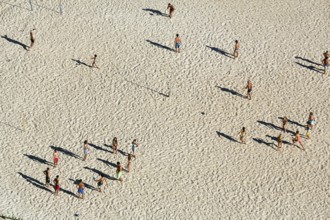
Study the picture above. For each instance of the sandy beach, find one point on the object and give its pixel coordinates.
(185, 109)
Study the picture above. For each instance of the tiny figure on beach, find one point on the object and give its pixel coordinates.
(242, 136)
(81, 189)
(94, 62)
(135, 145)
(311, 122)
(57, 187)
(326, 64)
(86, 150)
(32, 38)
(47, 174)
(129, 162)
(297, 138)
(326, 54)
(308, 132)
(236, 49)
(119, 172)
(280, 143)
(171, 9)
(177, 43)
(100, 182)
(115, 145)
(56, 158)
(284, 123)
(249, 89)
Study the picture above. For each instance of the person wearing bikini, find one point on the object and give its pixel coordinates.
(236, 49)
(297, 138)
(119, 172)
(86, 150)
(56, 158)
(284, 123)
(57, 187)
(115, 145)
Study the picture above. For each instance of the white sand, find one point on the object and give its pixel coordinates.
(185, 170)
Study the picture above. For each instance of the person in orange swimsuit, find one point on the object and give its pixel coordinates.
(297, 138)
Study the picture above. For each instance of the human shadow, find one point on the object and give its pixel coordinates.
(222, 52)
(25, 47)
(307, 60)
(270, 125)
(99, 148)
(152, 90)
(35, 182)
(67, 152)
(275, 139)
(313, 68)
(88, 186)
(100, 173)
(233, 92)
(220, 134)
(160, 45)
(294, 122)
(38, 159)
(154, 12)
(261, 141)
(78, 63)
(108, 162)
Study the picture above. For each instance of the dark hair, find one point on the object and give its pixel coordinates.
(129, 156)
(236, 41)
(57, 176)
(95, 55)
(177, 35)
(243, 128)
(118, 163)
(102, 175)
(85, 142)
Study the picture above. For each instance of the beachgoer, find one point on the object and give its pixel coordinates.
(57, 185)
(249, 89)
(86, 150)
(94, 62)
(236, 49)
(56, 158)
(129, 162)
(242, 136)
(100, 182)
(326, 64)
(284, 123)
(171, 9)
(32, 38)
(47, 174)
(119, 172)
(81, 189)
(297, 138)
(326, 54)
(135, 145)
(311, 122)
(280, 143)
(115, 145)
(177, 43)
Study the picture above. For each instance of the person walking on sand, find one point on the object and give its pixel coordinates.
(47, 174)
(249, 89)
(280, 143)
(57, 187)
(326, 64)
(242, 136)
(236, 49)
(311, 122)
(177, 43)
(171, 9)
(284, 123)
(135, 145)
(297, 138)
(119, 172)
(81, 189)
(115, 145)
(32, 38)
(100, 182)
(86, 150)
(56, 158)
(94, 62)
(129, 162)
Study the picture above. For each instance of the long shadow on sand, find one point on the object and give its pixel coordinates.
(275, 139)
(66, 152)
(233, 92)
(310, 67)
(272, 126)
(294, 123)
(38, 159)
(147, 88)
(154, 12)
(222, 52)
(108, 163)
(99, 148)
(261, 141)
(160, 45)
(220, 134)
(307, 60)
(35, 182)
(100, 173)
(88, 186)
(15, 42)
(78, 63)
(120, 151)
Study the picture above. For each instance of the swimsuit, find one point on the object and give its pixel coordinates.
(177, 45)
(249, 90)
(119, 175)
(134, 148)
(81, 191)
(57, 187)
(86, 151)
(47, 179)
(55, 159)
(99, 184)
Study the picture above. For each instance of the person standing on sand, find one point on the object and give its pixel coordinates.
(311, 122)
(81, 189)
(326, 64)
(129, 161)
(249, 89)
(284, 123)
(86, 150)
(115, 145)
(47, 174)
(280, 143)
(57, 185)
(171, 9)
(236, 49)
(94, 62)
(32, 38)
(177, 43)
(100, 182)
(56, 158)
(326, 54)
(297, 138)
(242, 136)
(119, 171)
(135, 145)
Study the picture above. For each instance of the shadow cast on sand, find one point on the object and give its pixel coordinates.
(275, 139)
(272, 126)
(35, 182)
(25, 47)
(154, 12)
(261, 141)
(220, 134)
(100, 173)
(230, 91)
(38, 159)
(313, 68)
(307, 60)
(120, 151)
(99, 148)
(147, 88)
(160, 45)
(108, 163)
(78, 63)
(88, 186)
(66, 152)
(294, 123)
(222, 52)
